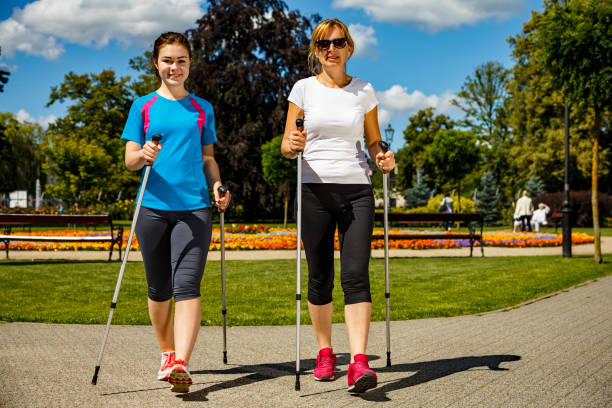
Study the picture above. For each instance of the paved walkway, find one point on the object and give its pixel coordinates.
(552, 352)
(587, 249)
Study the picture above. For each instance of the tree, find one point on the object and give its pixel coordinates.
(420, 192)
(279, 171)
(454, 154)
(148, 80)
(483, 100)
(574, 43)
(247, 54)
(487, 198)
(85, 152)
(534, 185)
(419, 135)
(21, 155)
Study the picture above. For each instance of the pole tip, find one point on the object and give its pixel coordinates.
(94, 380)
(225, 357)
(297, 381)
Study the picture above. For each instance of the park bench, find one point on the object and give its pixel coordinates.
(473, 221)
(556, 218)
(115, 235)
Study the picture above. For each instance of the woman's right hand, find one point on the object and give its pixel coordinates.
(150, 151)
(297, 141)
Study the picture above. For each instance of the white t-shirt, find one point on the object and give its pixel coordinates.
(334, 124)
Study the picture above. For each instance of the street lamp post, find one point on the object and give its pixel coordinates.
(567, 211)
(389, 131)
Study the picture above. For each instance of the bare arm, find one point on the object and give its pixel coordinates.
(293, 139)
(384, 161)
(135, 156)
(213, 176)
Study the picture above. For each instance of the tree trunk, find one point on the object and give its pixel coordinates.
(594, 187)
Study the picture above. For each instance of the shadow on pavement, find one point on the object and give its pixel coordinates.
(423, 372)
(433, 370)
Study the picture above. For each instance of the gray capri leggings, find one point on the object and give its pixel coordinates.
(351, 207)
(174, 247)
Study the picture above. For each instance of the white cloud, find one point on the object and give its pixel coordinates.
(435, 15)
(37, 28)
(44, 121)
(396, 100)
(365, 40)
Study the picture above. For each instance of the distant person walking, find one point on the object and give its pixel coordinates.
(446, 206)
(524, 211)
(175, 223)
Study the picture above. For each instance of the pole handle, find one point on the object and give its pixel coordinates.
(222, 190)
(384, 146)
(156, 139)
(300, 124)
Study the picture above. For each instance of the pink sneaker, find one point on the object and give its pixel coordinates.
(326, 361)
(360, 377)
(167, 360)
(180, 378)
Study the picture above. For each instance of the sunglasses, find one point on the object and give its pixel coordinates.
(338, 43)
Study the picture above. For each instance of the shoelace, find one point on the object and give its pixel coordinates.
(360, 367)
(326, 361)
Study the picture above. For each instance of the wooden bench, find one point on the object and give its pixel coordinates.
(473, 221)
(556, 218)
(115, 236)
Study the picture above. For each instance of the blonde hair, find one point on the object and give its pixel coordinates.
(320, 31)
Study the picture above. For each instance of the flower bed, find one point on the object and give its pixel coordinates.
(279, 238)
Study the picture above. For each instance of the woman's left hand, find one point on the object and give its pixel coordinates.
(222, 201)
(385, 161)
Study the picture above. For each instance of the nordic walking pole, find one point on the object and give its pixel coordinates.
(222, 190)
(385, 147)
(298, 292)
(126, 253)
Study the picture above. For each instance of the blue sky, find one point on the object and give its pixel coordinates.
(416, 53)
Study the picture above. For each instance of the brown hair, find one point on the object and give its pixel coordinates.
(166, 39)
(320, 31)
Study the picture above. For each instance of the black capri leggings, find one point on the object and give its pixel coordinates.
(174, 247)
(351, 207)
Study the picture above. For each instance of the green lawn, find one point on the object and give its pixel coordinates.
(263, 292)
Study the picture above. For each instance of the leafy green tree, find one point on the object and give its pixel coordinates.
(85, 152)
(247, 54)
(574, 43)
(455, 154)
(279, 171)
(419, 135)
(534, 185)
(148, 80)
(21, 155)
(483, 99)
(487, 197)
(420, 192)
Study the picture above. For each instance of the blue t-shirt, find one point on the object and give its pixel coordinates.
(176, 181)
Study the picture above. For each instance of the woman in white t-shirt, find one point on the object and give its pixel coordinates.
(337, 110)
